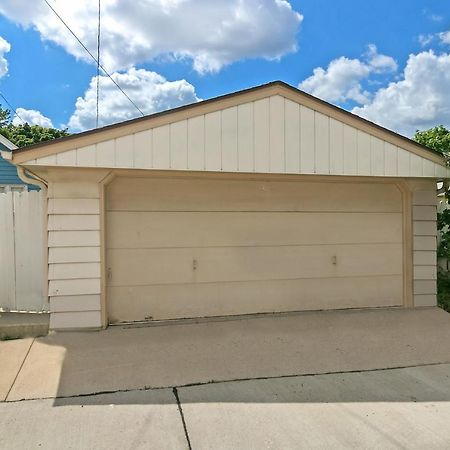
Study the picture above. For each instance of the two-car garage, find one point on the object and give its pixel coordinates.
(194, 247)
(265, 200)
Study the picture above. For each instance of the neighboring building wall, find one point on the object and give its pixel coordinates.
(424, 244)
(74, 254)
(8, 176)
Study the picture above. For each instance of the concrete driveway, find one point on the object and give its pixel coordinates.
(370, 379)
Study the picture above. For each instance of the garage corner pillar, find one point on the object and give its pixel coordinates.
(424, 211)
(74, 254)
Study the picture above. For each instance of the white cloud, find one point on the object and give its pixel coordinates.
(436, 18)
(210, 33)
(341, 81)
(5, 47)
(445, 37)
(149, 90)
(32, 117)
(425, 39)
(420, 100)
(380, 63)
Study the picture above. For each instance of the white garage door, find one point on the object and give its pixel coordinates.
(185, 247)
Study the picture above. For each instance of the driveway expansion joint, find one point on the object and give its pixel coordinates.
(206, 383)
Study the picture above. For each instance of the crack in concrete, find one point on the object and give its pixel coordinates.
(180, 409)
(206, 383)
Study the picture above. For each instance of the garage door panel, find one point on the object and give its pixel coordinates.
(212, 229)
(195, 247)
(221, 299)
(203, 265)
(165, 194)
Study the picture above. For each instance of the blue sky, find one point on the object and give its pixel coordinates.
(45, 74)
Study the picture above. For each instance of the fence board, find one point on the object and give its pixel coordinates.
(21, 251)
(7, 271)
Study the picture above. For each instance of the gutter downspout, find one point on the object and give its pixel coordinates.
(28, 180)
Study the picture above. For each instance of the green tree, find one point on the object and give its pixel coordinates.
(438, 138)
(5, 117)
(26, 134)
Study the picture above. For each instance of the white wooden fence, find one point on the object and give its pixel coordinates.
(21, 251)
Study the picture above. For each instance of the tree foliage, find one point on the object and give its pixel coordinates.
(26, 134)
(438, 138)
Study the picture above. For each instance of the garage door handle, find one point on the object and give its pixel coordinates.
(194, 264)
(109, 273)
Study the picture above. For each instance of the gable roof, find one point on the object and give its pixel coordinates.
(218, 103)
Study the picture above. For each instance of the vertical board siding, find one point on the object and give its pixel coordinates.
(376, 156)
(161, 147)
(276, 135)
(67, 158)
(213, 141)
(336, 147)
(142, 149)
(178, 145)
(390, 159)
(363, 153)
(124, 151)
(261, 133)
(322, 143)
(196, 143)
(21, 251)
(86, 156)
(229, 139)
(271, 135)
(292, 136)
(245, 138)
(307, 138)
(106, 154)
(74, 245)
(424, 245)
(350, 150)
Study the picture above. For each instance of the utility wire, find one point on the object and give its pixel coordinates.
(93, 57)
(12, 107)
(98, 63)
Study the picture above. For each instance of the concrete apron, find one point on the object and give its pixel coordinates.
(117, 359)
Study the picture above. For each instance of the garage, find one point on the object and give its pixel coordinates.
(267, 200)
(184, 248)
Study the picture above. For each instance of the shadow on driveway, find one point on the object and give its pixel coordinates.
(120, 359)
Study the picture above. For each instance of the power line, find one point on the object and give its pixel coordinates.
(98, 63)
(12, 107)
(93, 57)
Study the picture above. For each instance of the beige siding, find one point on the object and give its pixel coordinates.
(197, 247)
(74, 251)
(75, 320)
(424, 244)
(271, 135)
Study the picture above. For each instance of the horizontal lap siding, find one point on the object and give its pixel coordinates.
(74, 255)
(271, 135)
(424, 245)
